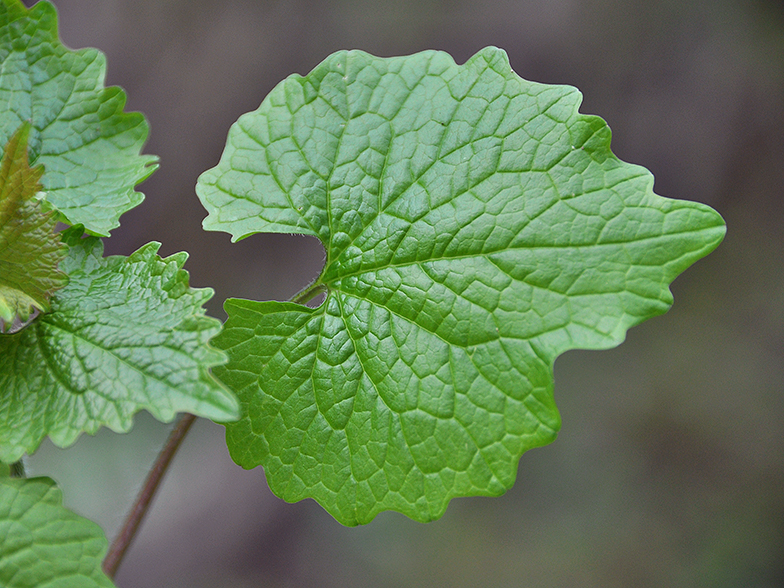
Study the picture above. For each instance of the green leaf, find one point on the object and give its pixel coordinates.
(476, 226)
(126, 334)
(88, 145)
(29, 248)
(43, 544)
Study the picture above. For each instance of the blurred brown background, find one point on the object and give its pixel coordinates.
(669, 469)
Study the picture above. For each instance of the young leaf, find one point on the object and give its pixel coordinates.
(29, 248)
(44, 544)
(126, 334)
(89, 146)
(476, 226)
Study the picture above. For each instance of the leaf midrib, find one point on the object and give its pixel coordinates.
(365, 270)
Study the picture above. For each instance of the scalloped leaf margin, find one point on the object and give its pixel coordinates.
(476, 226)
(126, 334)
(88, 145)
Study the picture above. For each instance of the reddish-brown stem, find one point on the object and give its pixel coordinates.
(124, 538)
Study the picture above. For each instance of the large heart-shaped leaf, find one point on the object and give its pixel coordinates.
(43, 544)
(476, 226)
(88, 145)
(125, 334)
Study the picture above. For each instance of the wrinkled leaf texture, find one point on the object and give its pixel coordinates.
(125, 334)
(88, 145)
(476, 226)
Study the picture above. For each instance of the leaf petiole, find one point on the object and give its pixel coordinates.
(309, 293)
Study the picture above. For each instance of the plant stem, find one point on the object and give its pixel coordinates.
(309, 293)
(139, 509)
(141, 505)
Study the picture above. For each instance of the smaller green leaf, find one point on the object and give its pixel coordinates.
(126, 334)
(80, 133)
(43, 544)
(29, 248)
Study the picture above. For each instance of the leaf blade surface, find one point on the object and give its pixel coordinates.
(476, 226)
(88, 145)
(126, 334)
(44, 544)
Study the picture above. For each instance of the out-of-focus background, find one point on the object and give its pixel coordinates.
(669, 469)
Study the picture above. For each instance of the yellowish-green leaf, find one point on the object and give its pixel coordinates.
(30, 250)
